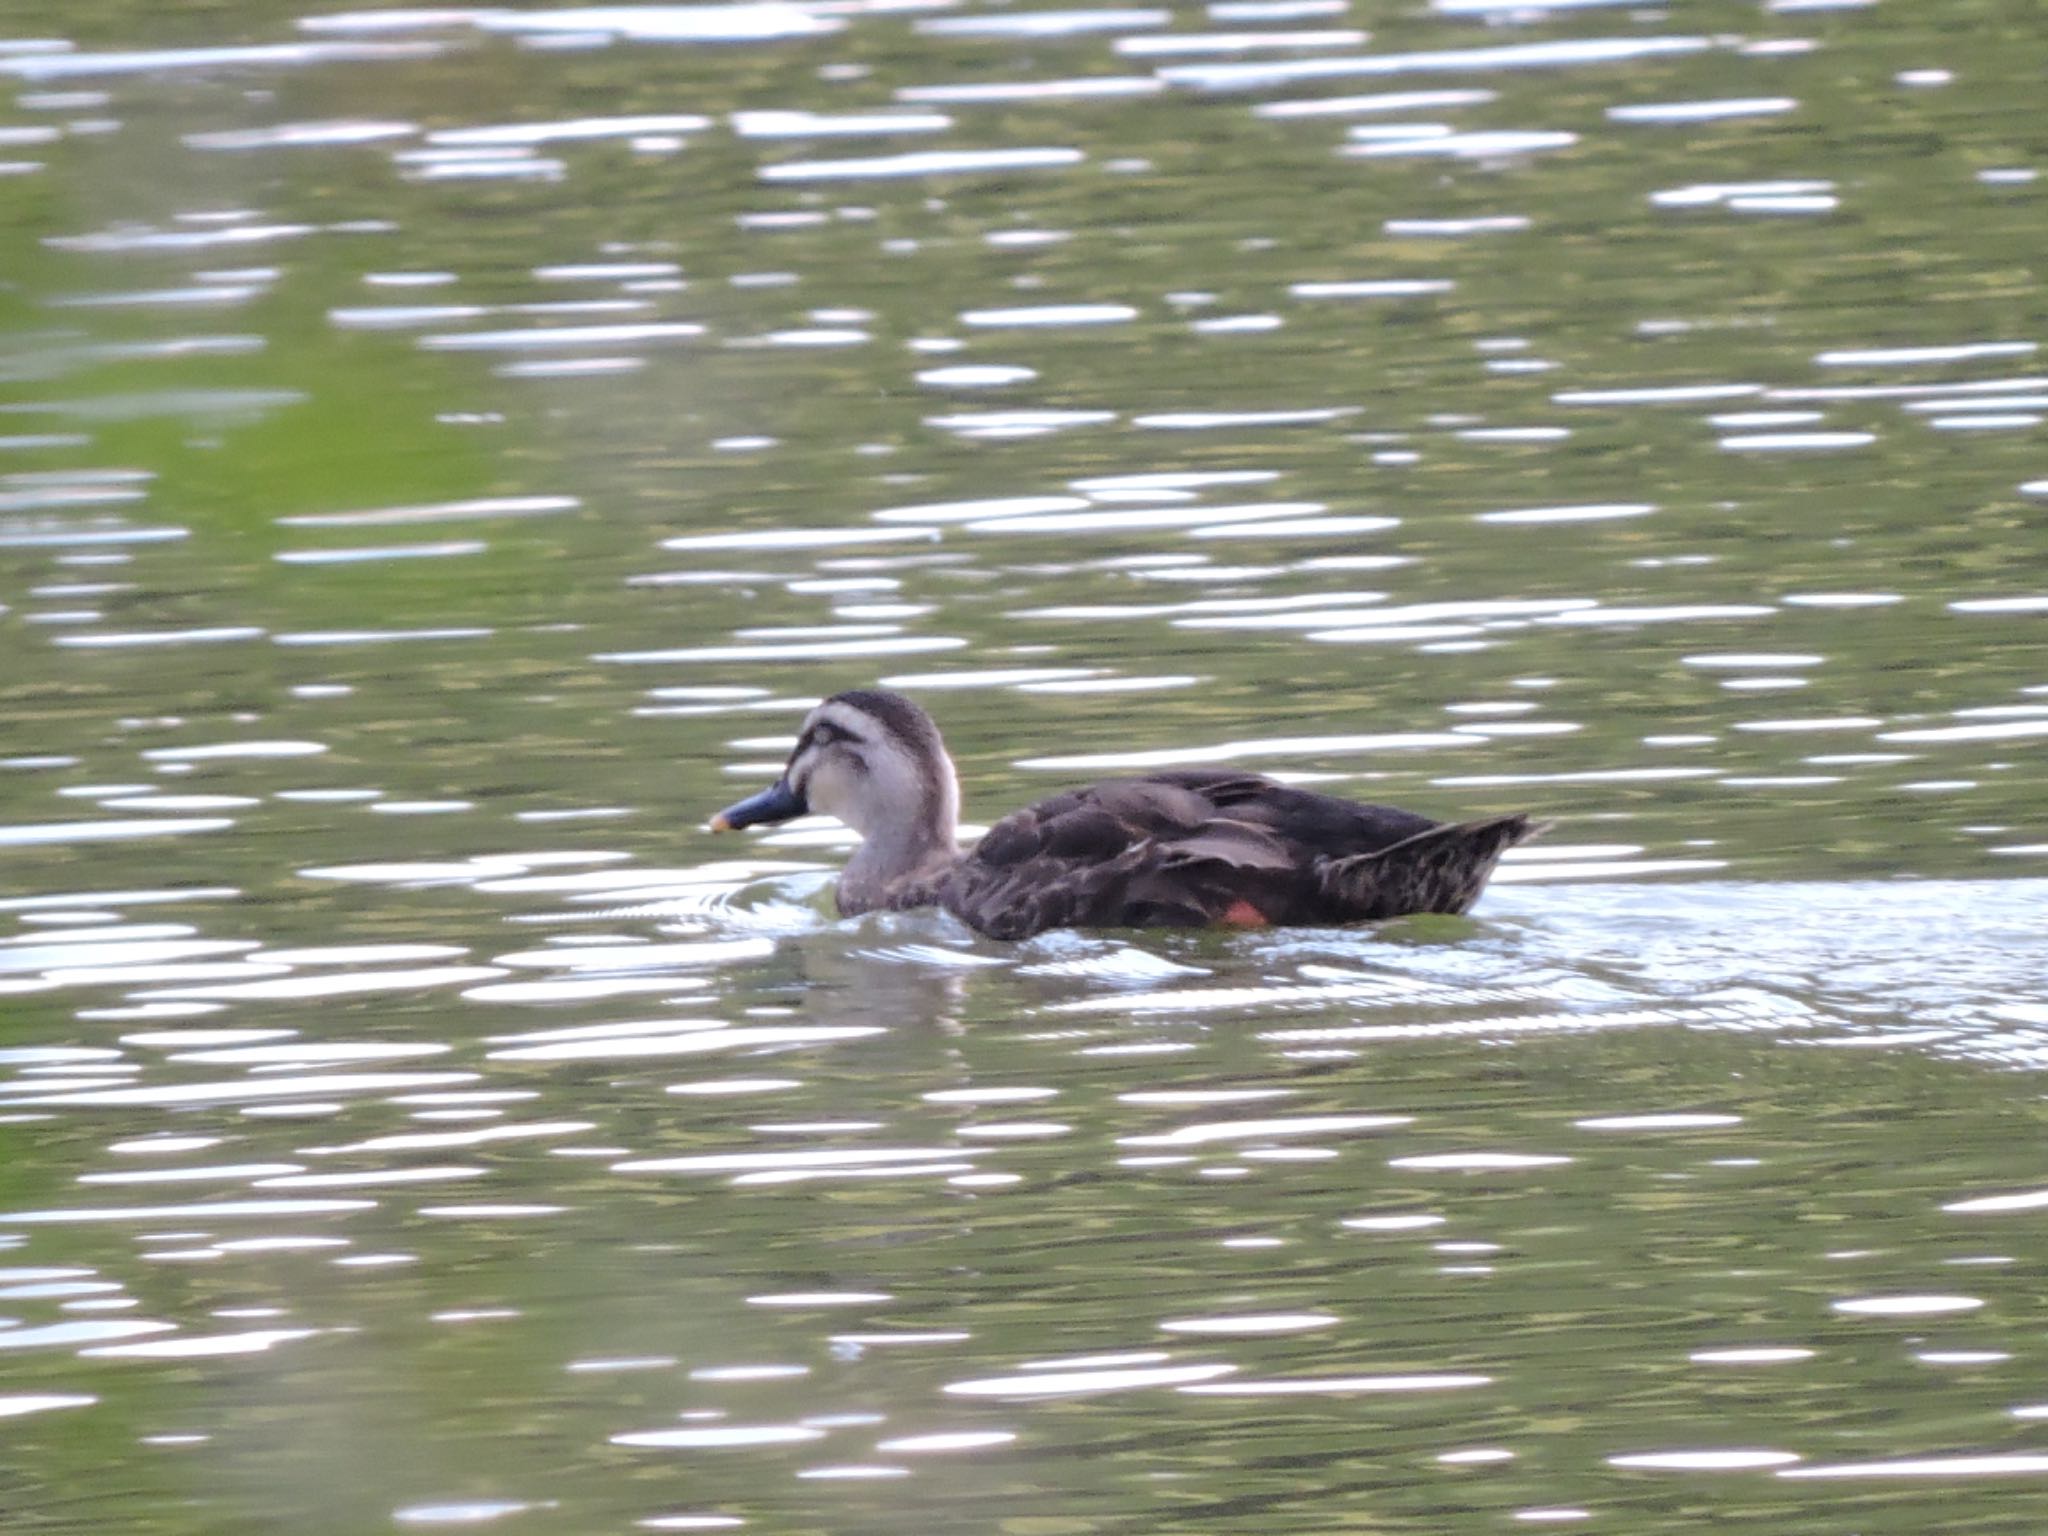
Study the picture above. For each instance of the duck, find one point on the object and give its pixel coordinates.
(1183, 848)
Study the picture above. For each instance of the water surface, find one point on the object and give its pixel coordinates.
(445, 452)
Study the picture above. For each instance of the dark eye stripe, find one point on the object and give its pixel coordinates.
(824, 734)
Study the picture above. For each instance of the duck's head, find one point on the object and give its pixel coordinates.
(872, 759)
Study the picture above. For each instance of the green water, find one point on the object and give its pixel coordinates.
(410, 532)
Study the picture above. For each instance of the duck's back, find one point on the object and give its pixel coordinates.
(1195, 847)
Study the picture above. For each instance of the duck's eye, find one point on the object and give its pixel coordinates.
(825, 734)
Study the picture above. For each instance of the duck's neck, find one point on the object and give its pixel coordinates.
(909, 823)
(897, 866)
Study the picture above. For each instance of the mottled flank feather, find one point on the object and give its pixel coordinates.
(1440, 870)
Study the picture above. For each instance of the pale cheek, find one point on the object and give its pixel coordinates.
(825, 793)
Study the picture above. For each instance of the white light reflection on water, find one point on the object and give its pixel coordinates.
(1231, 751)
(15, 1405)
(1410, 1222)
(2029, 1200)
(66, 65)
(467, 1512)
(1498, 144)
(256, 1342)
(689, 1042)
(1259, 1130)
(1251, 1324)
(811, 1299)
(931, 162)
(1339, 1385)
(1169, 44)
(562, 336)
(109, 830)
(1755, 1354)
(213, 1210)
(1050, 315)
(751, 1162)
(1510, 56)
(723, 1437)
(943, 1442)
(1703, 1461)
(2010, 1464)
(748, 21)
(1086, 1383)
(526, 134)
(1046, 23)
(77, 1333)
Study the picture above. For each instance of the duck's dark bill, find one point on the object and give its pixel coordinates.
(778, 802)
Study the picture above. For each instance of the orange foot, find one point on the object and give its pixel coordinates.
(1242, 914)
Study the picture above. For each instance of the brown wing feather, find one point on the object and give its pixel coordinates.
(1192, 847)
(1144, 852)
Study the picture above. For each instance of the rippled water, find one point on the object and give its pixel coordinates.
(444, 452)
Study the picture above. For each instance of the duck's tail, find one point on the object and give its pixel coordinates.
(1440, 870)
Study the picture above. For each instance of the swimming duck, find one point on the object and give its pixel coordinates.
(1190, 847)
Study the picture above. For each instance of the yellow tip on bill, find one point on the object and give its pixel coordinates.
(720, 824)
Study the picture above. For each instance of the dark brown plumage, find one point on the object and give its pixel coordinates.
(1186, 848)
(1197, 847)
